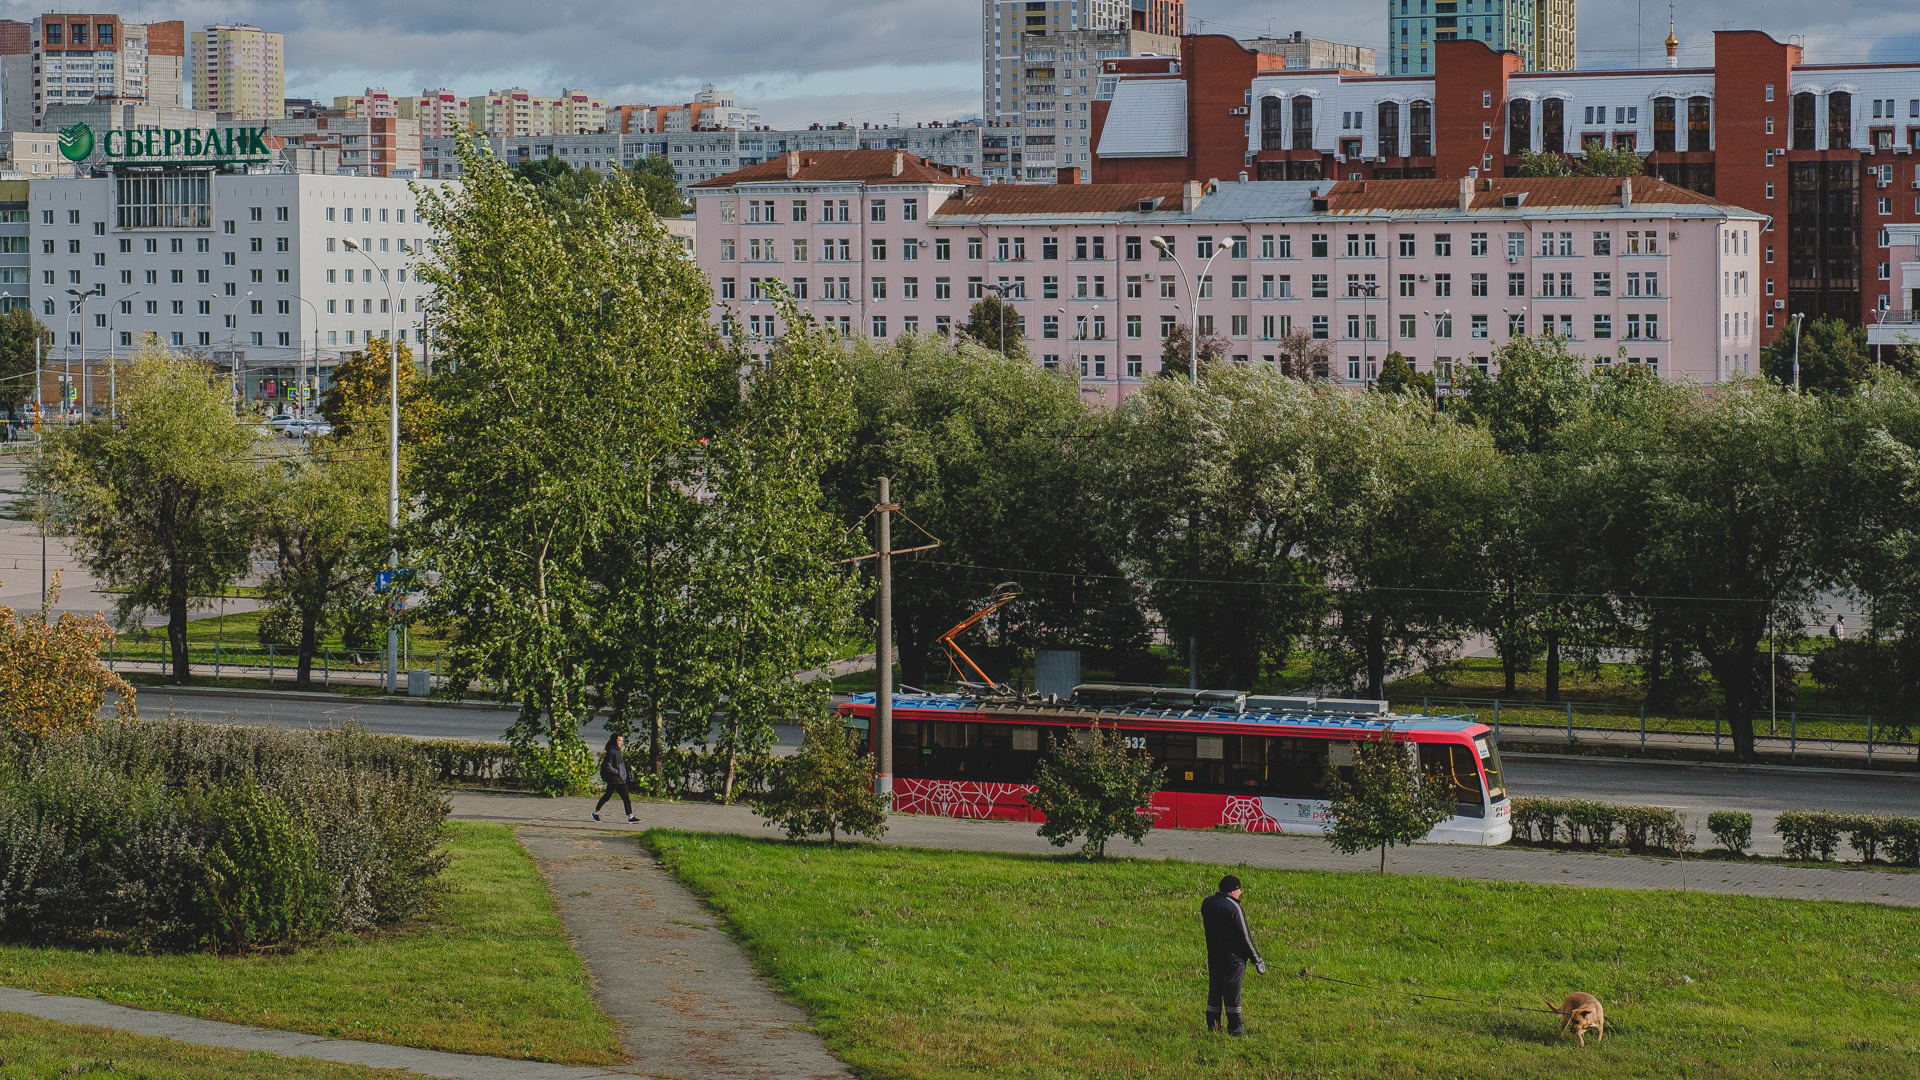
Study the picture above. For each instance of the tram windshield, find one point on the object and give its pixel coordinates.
(1489, 753)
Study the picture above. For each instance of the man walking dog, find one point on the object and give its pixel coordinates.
(1229, 947)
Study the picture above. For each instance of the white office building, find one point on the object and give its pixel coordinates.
(270, 272)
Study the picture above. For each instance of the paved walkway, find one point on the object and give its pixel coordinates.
(71, 1010)
(1279, 852)
(687, 998)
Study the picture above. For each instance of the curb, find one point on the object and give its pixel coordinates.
(1728, 766)
(318, 696)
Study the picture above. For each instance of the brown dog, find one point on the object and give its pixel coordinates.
(1581, 1011)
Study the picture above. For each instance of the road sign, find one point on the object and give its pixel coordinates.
(396, 605)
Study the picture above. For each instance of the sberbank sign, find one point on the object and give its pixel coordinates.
(210, 146)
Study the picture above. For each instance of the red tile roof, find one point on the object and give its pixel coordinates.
(1349, 196)
(1060, 199)
(842, 166)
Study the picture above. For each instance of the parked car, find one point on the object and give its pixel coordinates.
(281, 421)
(316, 428)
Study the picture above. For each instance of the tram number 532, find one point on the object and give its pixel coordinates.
(1136, 742)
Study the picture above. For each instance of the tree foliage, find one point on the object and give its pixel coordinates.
(1399, 377)
(324, 535)
(1386, 801)
(1597, 160)
(561, 184)
(163, 506)
(51, 677)
(1833, 356)
(19, 359)
(359, 399)
(993, 457)
(1178, 355)
(824, 788)
(1091, 785)
(994, 324)
(1544, 163)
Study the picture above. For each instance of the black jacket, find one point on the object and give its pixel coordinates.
(613, 763)
(1227, 936)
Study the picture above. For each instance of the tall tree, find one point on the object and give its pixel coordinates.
(19, 359)
(1544, 163)
(1598, 160)
(994, 324)
(162, 506)
(765, 585)
(1216, 487)
(324, 533)
(994, 458)
(1738, 514)
(1406, 496)
(660, 187)
(1303, 356)
(557, 497)
(1535, 392)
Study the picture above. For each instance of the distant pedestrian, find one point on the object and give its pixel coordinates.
(613, 770)
(1839, 630)
(1229, 947)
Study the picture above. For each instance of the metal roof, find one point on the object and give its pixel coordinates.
(1069, 713)
(1148, 118)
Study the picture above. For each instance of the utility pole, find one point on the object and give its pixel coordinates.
(883, 649)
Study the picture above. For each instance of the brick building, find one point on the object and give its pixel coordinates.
(1825, 153)
(881, 244)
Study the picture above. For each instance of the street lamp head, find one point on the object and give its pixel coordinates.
(1159, 243)
(350, 245)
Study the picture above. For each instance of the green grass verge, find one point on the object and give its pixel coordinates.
(35, 1048)
(927, 964)
(238, 637)
(490, 973)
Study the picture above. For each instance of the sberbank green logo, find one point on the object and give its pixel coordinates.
(76, 142)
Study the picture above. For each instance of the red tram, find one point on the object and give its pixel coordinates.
(1232, 760)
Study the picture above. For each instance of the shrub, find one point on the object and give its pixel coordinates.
(1387, 801)
(456, 761)
(1595, 821)
(1090, 785)
(1535, 820)
(51, 677)
(279, 626)
(1731, 830)
(1809, 835)
(1655, 828)
(1865, 833)
(169, 834)
(1903, 841)
(568, 768)
(825, 788)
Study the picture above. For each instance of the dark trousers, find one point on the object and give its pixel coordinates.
(613, 786)
(1223, 994)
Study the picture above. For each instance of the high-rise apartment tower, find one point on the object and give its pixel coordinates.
(238, 69)
(1541, 31)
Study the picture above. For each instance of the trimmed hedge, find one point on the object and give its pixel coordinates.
(1593, 824)
(163, 835)
(1815, 836)
(1732, 830)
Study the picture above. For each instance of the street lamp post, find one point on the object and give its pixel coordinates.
(1193, 303)
(301, 392)
(1797, 317)
(393, 457)
(1443, 315)
(1000, 291)
(113, 356)
(233, 358)
(85, 394)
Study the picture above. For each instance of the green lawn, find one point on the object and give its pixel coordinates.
(32, 1049)
(491, 973)
(238, 637)
(924, 964)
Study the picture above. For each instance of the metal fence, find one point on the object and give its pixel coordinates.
(269, 662)
(1791, 733)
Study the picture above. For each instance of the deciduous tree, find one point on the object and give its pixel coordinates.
(324, 533)
(1833, 356)
(1177, 355)
(1386, 802)
(824, 788)
(1092, 785)
(359, 399)
(19, 331)
(163, 506)
(994, 324)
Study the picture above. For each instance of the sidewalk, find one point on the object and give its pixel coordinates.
(1263, 850)
(687, 998)
(71, 1010)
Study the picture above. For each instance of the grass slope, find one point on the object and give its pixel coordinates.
(490, 973)
(32, 1049)
(925, 964)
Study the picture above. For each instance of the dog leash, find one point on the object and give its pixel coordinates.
(1306, 973)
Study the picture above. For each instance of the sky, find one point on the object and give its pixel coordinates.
(869, 61)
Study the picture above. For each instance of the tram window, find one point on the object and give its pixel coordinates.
(906, 733)
(1463, 771)
(1210, 746)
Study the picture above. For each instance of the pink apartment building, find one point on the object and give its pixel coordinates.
(1443, 271)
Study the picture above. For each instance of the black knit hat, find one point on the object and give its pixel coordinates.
(1229, 883)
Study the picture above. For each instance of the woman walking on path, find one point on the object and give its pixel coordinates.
(613, 769)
